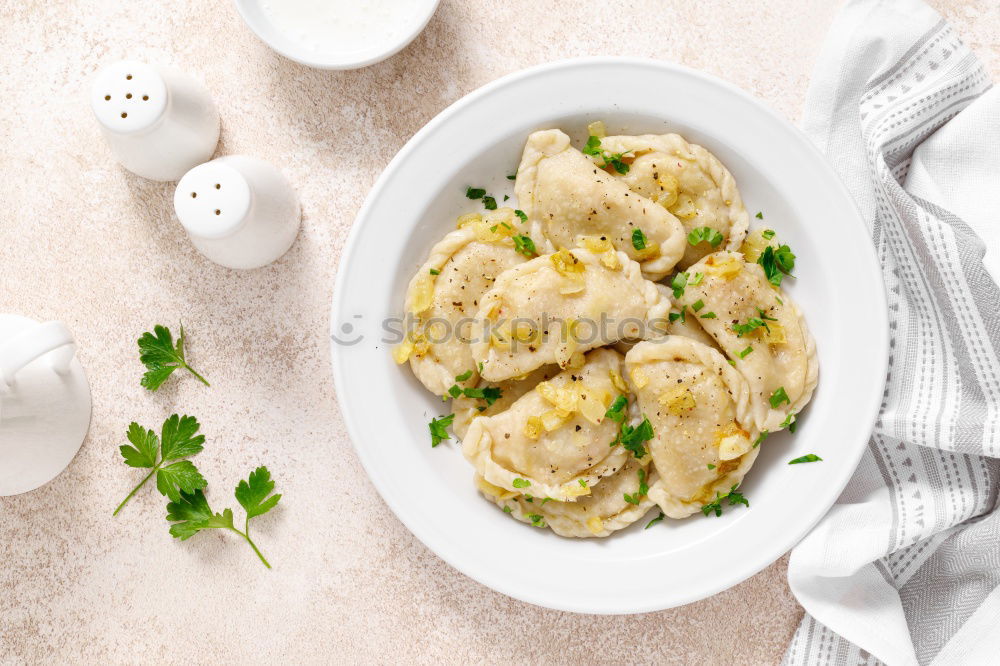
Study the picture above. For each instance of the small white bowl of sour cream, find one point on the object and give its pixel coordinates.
(337, 34)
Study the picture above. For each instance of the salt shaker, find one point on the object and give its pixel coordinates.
(158, 122)
(45, 403)
(239, 211)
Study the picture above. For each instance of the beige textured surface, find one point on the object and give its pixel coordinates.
(83, 241)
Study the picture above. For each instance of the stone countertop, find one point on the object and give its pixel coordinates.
(83, 241)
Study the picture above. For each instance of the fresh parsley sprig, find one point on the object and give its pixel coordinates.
(161, 357)
(777, 263)
(807, 458)
(178, 439)
(705, 235)
(614, 160)
(438, 428)
(190, 512)
(734, 498)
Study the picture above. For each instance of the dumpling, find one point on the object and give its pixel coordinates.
(554, 306)
(761, 330)
(465, 409)
(688, 181)
(565, 196)
(445, 292)
(704, 439)
(554, 441)
(603, 511)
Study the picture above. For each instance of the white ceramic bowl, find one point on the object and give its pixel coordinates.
(257, 19)
(477, 142)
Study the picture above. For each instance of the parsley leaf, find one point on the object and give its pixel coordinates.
(779, 396)
(789, 422)
(760, 438)
(777, 263)
(438, 429)
(639, 240)
(190, 513)
(658, 519)
(678, 283)
(490, 394)
(434, 271)
(708, 315)
(753, 323)
(178, 439)
(536, 520)
(525, 246)
(583, 483)
(635, 497)
(161, 357)
(705, 235)
(732, 496)
(521, 214)
(696, 279)
(698, 305)
(464, 376)
(489, 203)
(475, 192)
(743, 354)
(809, 457)
(674, 316)
(512, 176)
(759, 215)
(615, 160)
(633, 437)
(616, 412)
(520, 483)
(767, 234)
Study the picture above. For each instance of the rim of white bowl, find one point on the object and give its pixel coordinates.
(751, 563)
(271, 36)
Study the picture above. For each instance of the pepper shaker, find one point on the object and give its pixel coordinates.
(239, 211)
(158, 122)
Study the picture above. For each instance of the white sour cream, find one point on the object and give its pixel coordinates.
(334, 27)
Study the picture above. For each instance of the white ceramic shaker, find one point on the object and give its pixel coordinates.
(44, 403)
(240, 211)
(158, 122)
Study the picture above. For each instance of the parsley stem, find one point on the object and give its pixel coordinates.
(136, 489)
(195, 373)
(246, 536)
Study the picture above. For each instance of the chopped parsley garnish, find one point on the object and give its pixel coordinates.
(708, 315)
(525, 246)
(638, 239)
(435, 271)
(614, 160)
(759, 215)
(809, 457)
(438, 429)
(616, 412)
(475, 192)
(464, 376)
(455, 391)
(777, 263)
(779, 396)
(658, 519)
(489, 203)
(506, 196)
(583, 483)
(520, 483)
(734, 498)
(536, 520)
(767, 233)
(698, 305)
(711, 466)
(512, 176)
(696, 279)
(760, 438)
(743, 354)
(641, 492)
(705, 234)
(506, 509)
(480, 366)
(521, 214)
(678, 283)
(633, 437)
(490, 394)
(753, 323)
(674, 316)
(789, 423)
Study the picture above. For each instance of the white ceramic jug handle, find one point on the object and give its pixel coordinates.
(32, 344)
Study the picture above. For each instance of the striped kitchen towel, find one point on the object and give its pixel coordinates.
(905, 569)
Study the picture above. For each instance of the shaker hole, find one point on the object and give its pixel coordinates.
(218, 212)
(124, 115)
(128, 95)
